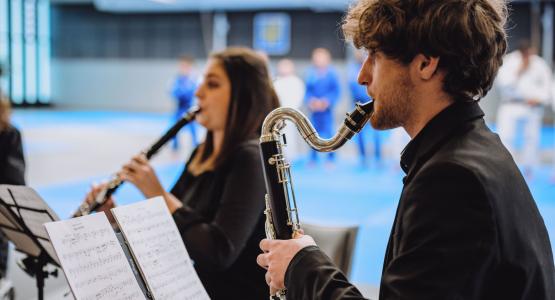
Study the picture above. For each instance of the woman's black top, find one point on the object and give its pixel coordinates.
(12, 163)
(222, 222)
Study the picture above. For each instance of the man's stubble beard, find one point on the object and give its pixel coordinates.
(394, 105)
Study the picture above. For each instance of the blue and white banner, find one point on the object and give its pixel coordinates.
(272, 33)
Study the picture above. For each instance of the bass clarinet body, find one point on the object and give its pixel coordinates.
(115, 182)
(282, 219)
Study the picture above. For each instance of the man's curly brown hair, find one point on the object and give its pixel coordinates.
(468, 36)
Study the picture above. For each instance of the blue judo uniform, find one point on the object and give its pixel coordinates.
(359, 94)
(183, 92)
(322, 84)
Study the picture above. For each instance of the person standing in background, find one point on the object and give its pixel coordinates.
(12, 164)
(358, 93)
(524, 82)
(322, 94)
(183, 91)
(290, 90)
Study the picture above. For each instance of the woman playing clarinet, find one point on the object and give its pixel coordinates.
(218, 201)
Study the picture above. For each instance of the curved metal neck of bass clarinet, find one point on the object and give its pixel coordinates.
(353, 123)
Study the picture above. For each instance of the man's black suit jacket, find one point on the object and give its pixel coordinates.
(466, 225)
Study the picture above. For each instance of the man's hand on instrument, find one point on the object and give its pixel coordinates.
(277, 256)
(139, 172)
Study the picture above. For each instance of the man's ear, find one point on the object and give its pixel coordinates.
(426, 66)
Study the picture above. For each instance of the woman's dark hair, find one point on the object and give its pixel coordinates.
(467, 35)
(252, 98)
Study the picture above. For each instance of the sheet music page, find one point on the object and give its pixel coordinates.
(159, 250)
(93, 261)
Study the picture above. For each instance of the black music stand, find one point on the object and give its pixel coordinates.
(22, 215)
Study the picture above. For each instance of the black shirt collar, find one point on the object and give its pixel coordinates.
(437, 130)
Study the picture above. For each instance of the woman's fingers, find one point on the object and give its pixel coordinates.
(140, 159)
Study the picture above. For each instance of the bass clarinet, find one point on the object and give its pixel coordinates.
(282, 218)
(115, 182)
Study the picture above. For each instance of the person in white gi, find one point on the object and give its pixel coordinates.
(524, 82)
(290, 90)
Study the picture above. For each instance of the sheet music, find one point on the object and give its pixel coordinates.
(93, 261)
(159, 250)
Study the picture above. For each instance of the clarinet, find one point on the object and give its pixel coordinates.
(282, 218)
(115, 182)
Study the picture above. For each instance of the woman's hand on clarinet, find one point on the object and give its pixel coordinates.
(90, 198)
(277, 256)
(139, 172)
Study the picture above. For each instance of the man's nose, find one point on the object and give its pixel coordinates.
(364, 78)
(365, 73)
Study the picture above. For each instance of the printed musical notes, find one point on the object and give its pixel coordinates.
(97, 268)
(159, 250)
(93, 260)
